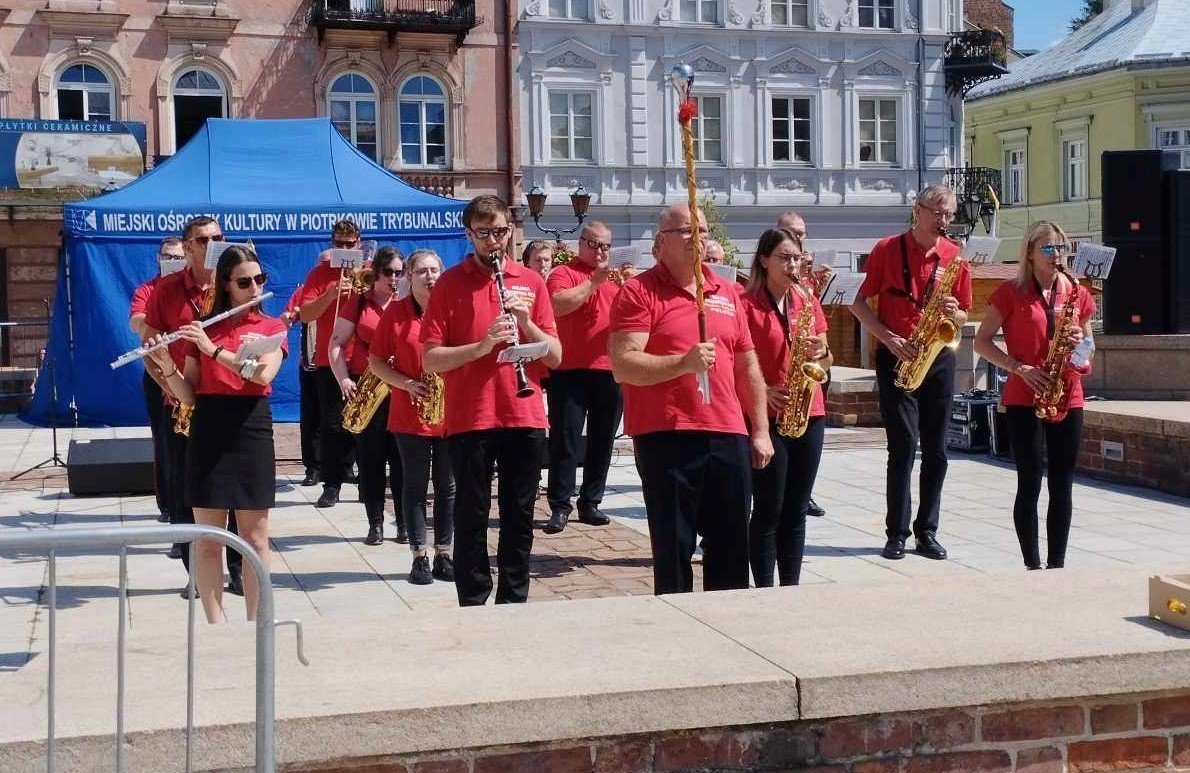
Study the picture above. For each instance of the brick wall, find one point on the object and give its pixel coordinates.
(853, 409)
(990, 13)
(1150, 459)
(1119, 733)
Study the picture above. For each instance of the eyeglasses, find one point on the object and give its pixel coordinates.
(790, 257)
(490, 233)
(597, 245)
(345, 244)
(170, 256)
(686, 232)
(941, 214)
(390, 271)
(245, 282)
(1050, 250)
(203, 240)
(426, 270)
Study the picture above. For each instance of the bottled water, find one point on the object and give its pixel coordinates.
(1081, 356)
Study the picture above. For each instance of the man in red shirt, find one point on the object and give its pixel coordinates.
(177, 300)
(322, 286)
(487, 425)
(901, 272)
(694, 458)
(582, 388)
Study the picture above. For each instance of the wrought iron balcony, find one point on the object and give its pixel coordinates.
(973, 57)
(455, 17)
(973, 181)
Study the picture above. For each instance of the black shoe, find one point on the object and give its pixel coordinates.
(928, 546)
(894, 549)
(177, 550)
(187, 594)
(329, 498)
(420, 573)
(375, 534)
(162, 517)
(402, 537)
(814, 510)
(593, 517)
(557, 522)
(235, 585)
(444, 568)
(312, 477)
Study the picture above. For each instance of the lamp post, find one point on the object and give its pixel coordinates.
(579, 201)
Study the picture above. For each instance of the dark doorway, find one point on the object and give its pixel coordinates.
(190, 113)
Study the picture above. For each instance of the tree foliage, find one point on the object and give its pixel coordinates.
(718, 230)
(1091, 9)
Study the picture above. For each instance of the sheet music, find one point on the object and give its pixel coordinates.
(723, 271)
(825, 257)
(1094, 261)
(524, 352)
(842, 290)
(632, 254)
(215, 251)
(172, 266)
(341, 258)
(981, 249)
(256, 347)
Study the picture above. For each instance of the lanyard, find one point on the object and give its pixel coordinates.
(1048, 306)
(908, 291)
(783, 317)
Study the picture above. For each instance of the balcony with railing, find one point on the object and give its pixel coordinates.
(973, 57)
(973, 181)
(455, 17)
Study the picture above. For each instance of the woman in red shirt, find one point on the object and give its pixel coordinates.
(1026, 308)
(230, 463)
(773, 302)
(396, 358)
(375, 451)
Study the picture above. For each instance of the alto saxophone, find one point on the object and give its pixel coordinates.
(934, 332)
(181, 415)
(431, 409)
(1053, 403)
(370, 392)
(803, 375)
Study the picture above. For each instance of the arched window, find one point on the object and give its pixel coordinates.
(84, 94)
(421, 108)
(198, 95)
(353, 111)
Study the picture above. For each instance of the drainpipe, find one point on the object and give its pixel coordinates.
(510, 115)
(921, 95)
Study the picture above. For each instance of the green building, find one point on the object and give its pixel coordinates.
(1121, 82)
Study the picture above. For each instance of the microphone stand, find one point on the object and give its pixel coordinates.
(48, 360)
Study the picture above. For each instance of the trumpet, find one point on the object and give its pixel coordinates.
(496, 260)
(621, 275)
(166, 340)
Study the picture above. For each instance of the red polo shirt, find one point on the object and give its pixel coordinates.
(176, 300)
(584, 331)
(398, 339)
(141, 296)
(1025, 336)
(482, 394)
(216, 379)
(321, 278)
(886, 279)
(653, 303)
(772, 348)
(364, 313)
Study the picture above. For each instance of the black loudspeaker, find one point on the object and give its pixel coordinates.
(1135, 300)
(1177, 242)
(1133, 194)
(110, 466)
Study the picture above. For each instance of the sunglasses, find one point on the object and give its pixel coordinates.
(345, 244)
(490, 233)
(1051, 250)
(390, 271)
(597, 245)
(205, 239)
(245, 282)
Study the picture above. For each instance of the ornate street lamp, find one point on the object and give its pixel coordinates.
(579, 201)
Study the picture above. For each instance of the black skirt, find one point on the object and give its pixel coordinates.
(230, 462)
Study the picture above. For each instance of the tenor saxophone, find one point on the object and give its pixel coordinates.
(431, 409)
(934, 332)
(802, 376)
(1053, 403)
(370, 392)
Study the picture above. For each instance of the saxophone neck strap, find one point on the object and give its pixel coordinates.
(1048, 306)
(907, 276)
(782, 316)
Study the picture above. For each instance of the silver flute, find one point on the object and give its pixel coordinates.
(141, 351)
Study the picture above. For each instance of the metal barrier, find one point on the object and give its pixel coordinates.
(50, 541)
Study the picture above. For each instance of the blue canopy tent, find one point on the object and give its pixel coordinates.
(280, 183)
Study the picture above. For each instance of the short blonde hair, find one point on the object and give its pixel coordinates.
(1034, 234)
(933, 195)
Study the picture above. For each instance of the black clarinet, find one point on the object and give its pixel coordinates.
(496, 259)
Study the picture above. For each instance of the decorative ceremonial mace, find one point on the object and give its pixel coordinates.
(682, 79)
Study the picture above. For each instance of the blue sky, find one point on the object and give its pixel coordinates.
(1041, 23)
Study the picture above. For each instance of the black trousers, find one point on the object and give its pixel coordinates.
(157, 428)
(575, 397)
(515, 454)
(924, 415)
(1058, 458)
(420, 455)
(780, 494)
(379, 464)
(310, 417)
(334, 442)
(696, 483)
(180, 510)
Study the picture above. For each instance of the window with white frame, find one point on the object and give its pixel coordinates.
(352, 107)
(877, 14)
(570, 9)
(198, 95)
(706, 11)
(1015, 175)
(790, 13)
(708, 129)
(878, 131)
(421, 113)
(84, 94)
(1175, 138)
(572, 126)
(791, 129)
(1074, 169)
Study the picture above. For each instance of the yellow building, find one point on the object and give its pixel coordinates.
(1122, 82)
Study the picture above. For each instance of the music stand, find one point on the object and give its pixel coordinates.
(55, 460)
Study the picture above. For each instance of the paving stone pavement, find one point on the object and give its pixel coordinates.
(321, 567)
